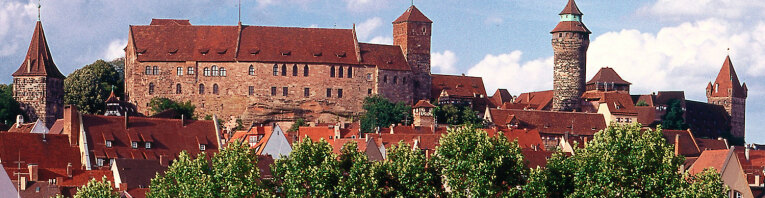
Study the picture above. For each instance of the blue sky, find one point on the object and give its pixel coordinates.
(655, 44)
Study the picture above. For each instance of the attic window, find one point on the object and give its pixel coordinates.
(285, 52)
(389, 62)
(204, 51)
(172, 51)
(317, 53)
(134, 144)
(108, 143)
(202, 147)
(340, 54)
(222, 51)
(254, 51)
(148, 145)
(141, 51)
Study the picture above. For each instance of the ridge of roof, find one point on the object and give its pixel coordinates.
(38, 61)
(412, 14)
(728, 79)
(571, 8)
(607, 74)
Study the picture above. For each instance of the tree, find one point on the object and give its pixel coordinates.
(457, 115)
(674, 118)
(705, 184)
(296, 126)
(95, 188)
(554, 180)
(357, 173)
(641, 103)
(9, 107)
(159, 104)
(90, 86)
(311, 170)
(186, 177)
(234, 172)
(380, 112)
(407, 175)
(476, 165)
(119, 65)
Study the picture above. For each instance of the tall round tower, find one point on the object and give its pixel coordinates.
(570, 40)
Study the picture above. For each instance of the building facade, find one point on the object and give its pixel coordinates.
(570, 40)
(728, 92)
(38, 85)
(268, 74)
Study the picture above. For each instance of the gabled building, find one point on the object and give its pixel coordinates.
(608, 80)
(459, 90)
(616, 107)
(540, 100)
(552, 126)
(274, 143)
(727, 164)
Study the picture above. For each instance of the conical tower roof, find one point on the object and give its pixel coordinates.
(412, 15)
(571, 8)
(727, 79)
(38, 61)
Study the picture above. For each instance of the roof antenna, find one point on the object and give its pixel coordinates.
(412, 2)
(38, 10)
(240, 12)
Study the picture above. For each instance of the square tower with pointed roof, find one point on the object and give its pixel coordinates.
(38, 85)
(411, 31)
(727, 91)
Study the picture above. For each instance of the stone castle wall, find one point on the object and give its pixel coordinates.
(736, 108)
(40, 97)
(570, 69)
(414, 39)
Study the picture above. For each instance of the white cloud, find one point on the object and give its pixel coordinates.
(691, 53)
(733, 9)
(366, 28)
(443, 62)
(115, 49)
(494, 20)
(382, 40)
(509, 72)
(15, 16)
(365, 5)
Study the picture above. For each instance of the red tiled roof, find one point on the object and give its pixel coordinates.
(459, 86)
(527, 139)
(137, 192)
(500, 97)
(754, 165)
(57, 127)
(54, 152)
(264, 165)
(608, 75)
(571, 26)
(646, 115)
(169, 137)
(552, 122)
(727, 80)
(423, 103)
(387, 57)
(618, 103)
(112, 98)
(664, 97)
(571, 8)
(534, 100)
(23, 128)
(412, 15)
(536, 159)
(648, 99)
(711, 144)
(38, 61)
(169, 22)
(137, 173)
(81, 177)
(709, 159)
(684, 142)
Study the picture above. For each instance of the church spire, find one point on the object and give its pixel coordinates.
(38, 61)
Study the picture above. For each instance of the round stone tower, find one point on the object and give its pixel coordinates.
(570, 40)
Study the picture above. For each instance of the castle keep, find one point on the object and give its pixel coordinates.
(570, 40)
(275, 73)
(728, 92)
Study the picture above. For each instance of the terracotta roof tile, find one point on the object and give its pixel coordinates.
(727, 80)
(540, 100)
(609, 75)
(386, 57)
(571, 26)
(618, 103)
(459, 86)
(571, 8)
(137, 173)
(536, 159)
(684, 142)
(423, 103)
(38, 61)
(709, 159)
(552, 122)
(54, 152)
(412, 15)
(646, 115)
(711, 144)
(500, 97)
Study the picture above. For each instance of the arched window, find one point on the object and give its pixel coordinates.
(276, 70)
(332, 71)
(350, 72)
(403, 81)
(305, 70)
(284, 69)
(201, 89)
(215, 89)
(214, 70)
(222, 71)
(207, 71)
(156, 70)
(178, 88)
(294, 70)
(251, 71)
(385, 78)
(395, 79)
(340, 72)
(151, 88)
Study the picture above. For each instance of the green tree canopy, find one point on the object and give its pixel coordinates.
(234, 172)
(674, 118)
(380, 112)
(311, 170)
(9, 107)
(407, 174)
(94, 188)
(159, 104)
(89, 87)
(476, 165)
(706, 184)
(186, 177)
(457, 115)
(358, 174)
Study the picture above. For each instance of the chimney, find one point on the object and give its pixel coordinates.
(127, 121)
(19, 120)
(23, 183)
(391, 128)
(337, 131)
(183, 120)
(33, 174)
(71, 123)
(677, 144)
(433, 128)
(162, 160)
(69, 170)
(746, 151)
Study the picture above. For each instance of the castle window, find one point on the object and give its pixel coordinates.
(207, 71)
(306, 92)
(560, 34)
(284, 91)
(215, 89)
(339, 93)
(340, 72)
(222, 71)
(108, 143)
(276, 70)
(329, 92)
(284, 69)
(151, 88)
(201, 89)
(305, 70)
(177, 88)
(251, 90)
(385, 78)
(190, 70)
(369, 76)
(251, 71)
(214, 70)
(395, 79)
(369, 92)
(148, 70)
(273, 91)
(156, 70)
(134, 144)
(294, 70)
(148, 145)
(350, 72)
(332, 71)
(179, 71)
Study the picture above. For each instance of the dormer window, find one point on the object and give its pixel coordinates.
(202, 147)
(108, 143)
(134, 145)
(148, 145)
